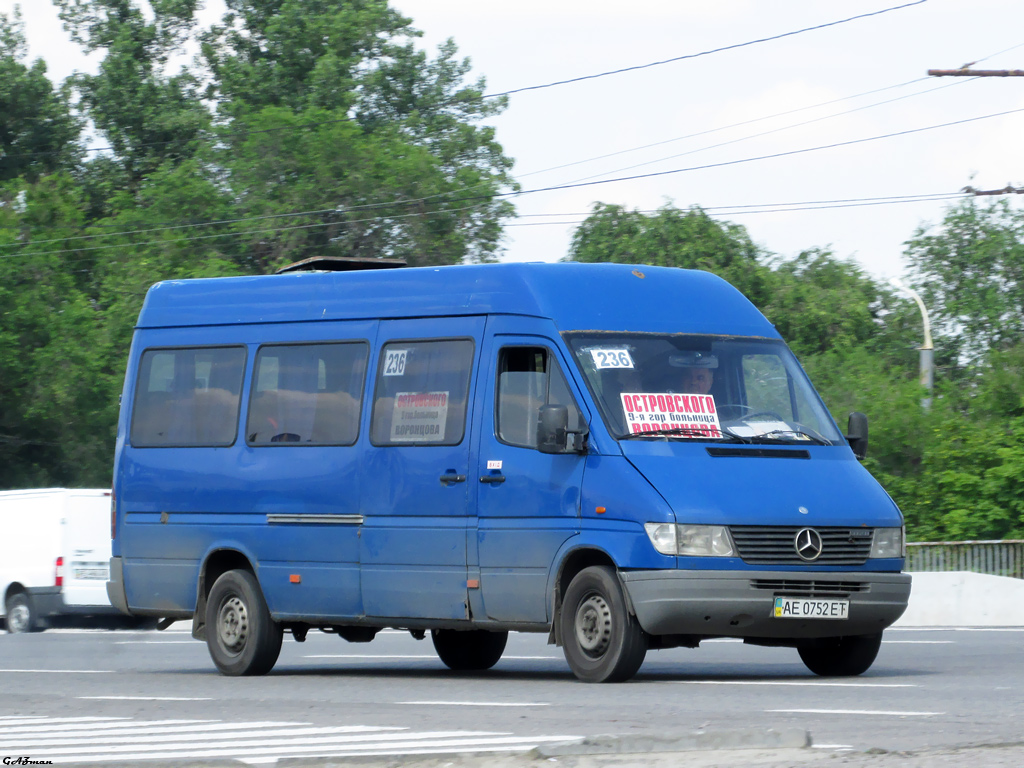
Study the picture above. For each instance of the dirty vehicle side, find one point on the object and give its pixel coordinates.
(467, 451)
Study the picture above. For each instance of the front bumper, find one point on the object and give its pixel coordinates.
(741, 603)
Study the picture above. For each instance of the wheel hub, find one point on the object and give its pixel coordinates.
(233, 624)
(594, 626)
(18, 618)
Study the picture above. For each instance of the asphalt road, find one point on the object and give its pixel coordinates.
(99, 696)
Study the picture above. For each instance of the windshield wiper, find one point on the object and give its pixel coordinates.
(688, 431)
(804, 436)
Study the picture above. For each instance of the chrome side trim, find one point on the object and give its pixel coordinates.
(303, 519)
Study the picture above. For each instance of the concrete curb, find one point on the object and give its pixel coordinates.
(741, 738)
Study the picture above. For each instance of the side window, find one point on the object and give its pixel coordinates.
(421, 393)
(187, 397)
(307, 393)
(529, 377)
(767, 384)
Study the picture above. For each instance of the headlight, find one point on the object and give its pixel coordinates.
(662, 536)
(692, 540)
(887, 542)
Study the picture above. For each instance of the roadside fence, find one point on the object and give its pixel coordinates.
(997, 558)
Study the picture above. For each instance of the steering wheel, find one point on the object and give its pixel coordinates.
(756, 416)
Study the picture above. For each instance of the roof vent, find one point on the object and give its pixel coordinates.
(340, 264)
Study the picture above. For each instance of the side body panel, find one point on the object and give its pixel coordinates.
(412, 547)
(528, 502)
(290, 507)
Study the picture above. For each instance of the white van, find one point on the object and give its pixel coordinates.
(54, 555)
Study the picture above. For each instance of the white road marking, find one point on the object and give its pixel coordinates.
(419, 657)
(226, 731)
(158, 642)
(808, 683)
(918, 642)
(887, 713)
(63, 671)
(832, 746)
(253, 742)
(477, 703)
(147, 698)
(152, 726)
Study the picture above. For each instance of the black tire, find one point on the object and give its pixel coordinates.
(242, 637)
(602, 641)
(21, 615)
(472, 650)
(840, 656)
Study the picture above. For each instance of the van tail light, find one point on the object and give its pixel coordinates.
(58, 573)
(113, 514)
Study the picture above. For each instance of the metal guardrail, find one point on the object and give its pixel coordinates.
(998, 558)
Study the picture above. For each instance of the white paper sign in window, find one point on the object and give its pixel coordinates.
(394, 362)
(419, 417)
(693, 416)
(612, 358)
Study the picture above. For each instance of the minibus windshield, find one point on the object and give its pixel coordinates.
(685, 387)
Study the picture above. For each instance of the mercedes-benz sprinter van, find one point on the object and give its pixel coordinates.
(625, 458)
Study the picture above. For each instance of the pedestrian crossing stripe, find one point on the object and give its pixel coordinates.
(98, 740)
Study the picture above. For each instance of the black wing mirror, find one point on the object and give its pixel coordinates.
(857, 434)
(553, 434)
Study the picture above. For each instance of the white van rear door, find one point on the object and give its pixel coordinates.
(86, 548)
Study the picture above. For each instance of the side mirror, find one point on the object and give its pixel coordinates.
(553, 435)
(857, 434)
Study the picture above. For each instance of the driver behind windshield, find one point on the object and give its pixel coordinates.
(697, 372)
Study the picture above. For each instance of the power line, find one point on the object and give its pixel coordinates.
(720, 210)
(773, 130)
(772, 156)
(372, 206)
(724, 127)
(335, 209)
(702, 53)
(739, 210)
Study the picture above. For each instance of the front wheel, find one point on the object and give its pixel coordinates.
(242, 637)
(602, 641)
(472, 650)
(21, 615)
(840, 656)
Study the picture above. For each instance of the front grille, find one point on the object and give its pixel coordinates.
(774, 545)
(809, 588)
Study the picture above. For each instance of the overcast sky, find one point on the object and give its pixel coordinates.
(532, 42)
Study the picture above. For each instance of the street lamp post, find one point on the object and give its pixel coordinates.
(927, 363)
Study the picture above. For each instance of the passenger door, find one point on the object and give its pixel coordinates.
(415, 493)
(528, 502)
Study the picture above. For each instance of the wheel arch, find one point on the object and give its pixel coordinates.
(573, 561)
(216, 563)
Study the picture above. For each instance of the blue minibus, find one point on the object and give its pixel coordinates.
(625, 458)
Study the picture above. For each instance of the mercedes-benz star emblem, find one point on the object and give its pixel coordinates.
(808, 544)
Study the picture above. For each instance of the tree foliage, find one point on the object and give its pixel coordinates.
(302, 128)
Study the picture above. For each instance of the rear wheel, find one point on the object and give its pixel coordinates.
(21, 615)
(470, 650)
(602, 641)
(242, 637)
(841, 656)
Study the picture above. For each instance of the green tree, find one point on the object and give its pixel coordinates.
(671, 237)
(327, 107)
(147, 116)
(38, 133)
(970, 271)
